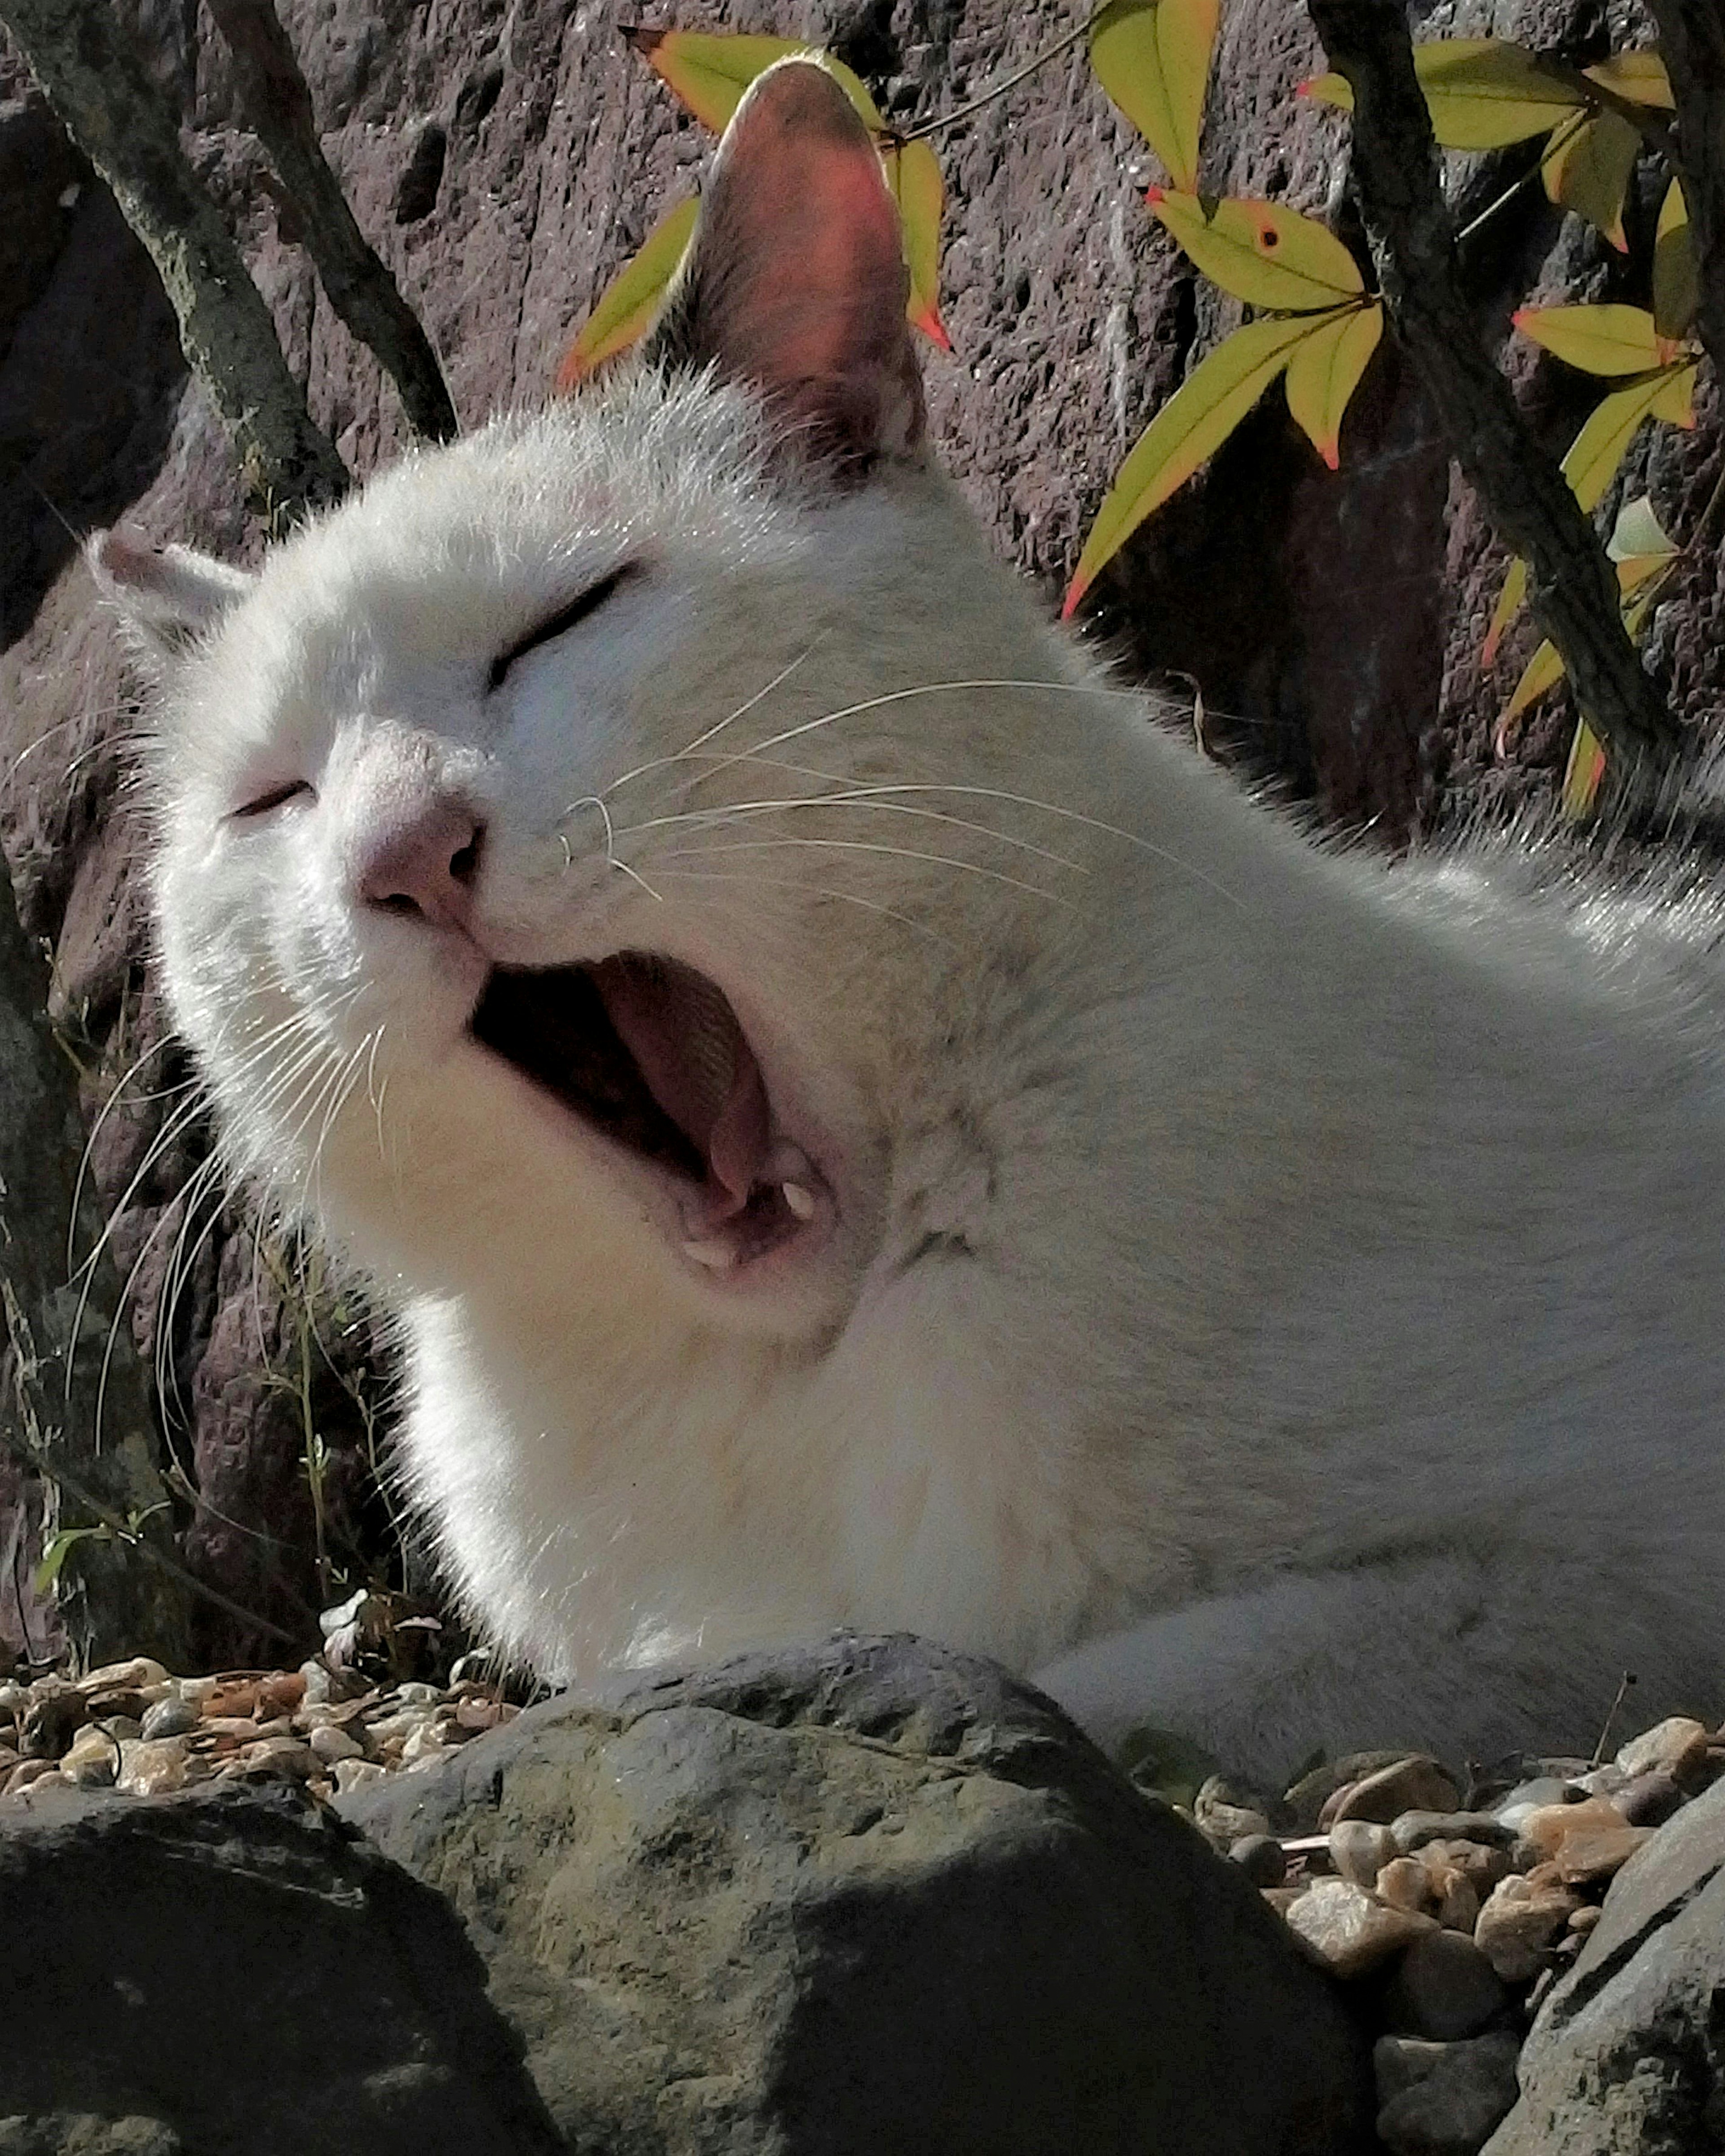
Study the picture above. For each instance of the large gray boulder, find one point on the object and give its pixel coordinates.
(870, 1898)
(1627, 2058)
(231, 1971)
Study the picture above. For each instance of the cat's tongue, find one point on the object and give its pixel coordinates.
(698, 1065)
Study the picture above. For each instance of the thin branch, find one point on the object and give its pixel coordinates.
(98, 84)
(1692, 37)
(1063, 45)
(1571, 588)
(361, 290)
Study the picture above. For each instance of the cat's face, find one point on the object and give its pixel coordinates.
(477, 891)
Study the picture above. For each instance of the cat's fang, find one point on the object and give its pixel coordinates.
(799, 1200)
(717, 1254)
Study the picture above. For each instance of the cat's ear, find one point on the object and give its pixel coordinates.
(168, 597)
(795, 280)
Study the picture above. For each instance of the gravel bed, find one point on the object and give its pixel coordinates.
(1447, 1905)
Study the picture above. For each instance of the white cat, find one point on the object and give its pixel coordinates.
(860, 1129)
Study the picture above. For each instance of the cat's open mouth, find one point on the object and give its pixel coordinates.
(649, 1052)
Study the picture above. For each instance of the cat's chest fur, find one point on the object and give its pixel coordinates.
(859, 1129)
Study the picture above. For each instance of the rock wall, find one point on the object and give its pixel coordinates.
(506, 162)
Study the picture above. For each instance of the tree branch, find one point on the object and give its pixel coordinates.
(1571, 588)
(1691, 38)
(360, 289)
(98, 84)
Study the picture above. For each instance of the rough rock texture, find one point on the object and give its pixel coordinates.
(506, 162)
(872, 1898)
(231, 1971)
(1627, 2058)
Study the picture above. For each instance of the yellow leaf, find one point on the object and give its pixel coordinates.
(1599, 449)
(1192, 424)
(1543, 671)
(913, 172)
(708, 72)
(629, 301)
(1482, 92)
(1675, 400)
(1152, 57)
(1674, 286)
(1582, 774)
(1635, 570)
(1640, 77)
(1609, 339)
(1589, 172)
(1262, 254)
(1325, 371)
(1508, 606)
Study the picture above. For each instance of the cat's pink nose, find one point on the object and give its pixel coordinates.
(422, 857)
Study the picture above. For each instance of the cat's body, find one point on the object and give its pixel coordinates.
(1103, 1220)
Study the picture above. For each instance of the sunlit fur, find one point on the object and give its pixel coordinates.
(1292, 1282)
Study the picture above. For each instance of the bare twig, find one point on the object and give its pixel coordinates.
(1692, 37)
(1571, 588)
(95, 80)
(360, 289)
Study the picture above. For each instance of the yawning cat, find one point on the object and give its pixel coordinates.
(859, 1129)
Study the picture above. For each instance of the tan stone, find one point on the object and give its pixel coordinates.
(1678, 1745)
(1405, 1883)
(1585, 1859)
(149, 1765)
(1350, 1931)
(1414, 1784)
(92, 1759)
(1518, 1922)
(1552, 1825)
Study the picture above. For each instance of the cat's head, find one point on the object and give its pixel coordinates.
(511, 864)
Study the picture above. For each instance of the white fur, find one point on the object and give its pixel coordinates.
(1333, 1355)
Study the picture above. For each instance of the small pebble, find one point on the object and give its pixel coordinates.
(1650, 1799)
(27, 1772)
(331, 1744)
(116, 1676)
(1456, 2102)
(1412, 1829)
(1443, 1987)
(1359, 1850)
(1583, 1919)
(1405, 1883)
(1349, 1930)
(356, 1774)
(1259, 1857)
(274, 1756)
(1678, 1744)
(1517, 1924)
(1514, 1809)
(150, 1765)
(1414, 1784)
(171, 1716)
(92, 1759)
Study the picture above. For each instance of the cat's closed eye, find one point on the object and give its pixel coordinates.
(276, 797)
(589, 602)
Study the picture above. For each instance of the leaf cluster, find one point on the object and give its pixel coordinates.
(1311, 322)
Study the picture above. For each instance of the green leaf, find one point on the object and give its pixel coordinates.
(1639, 533)
(1675, 290)
(1325, 371)
(1262, 254)
(58, 1548)
(1590, 173)
(630, 301)
(1152, 57)
(1482, 92)
(1675, 400)
(1609, 339)
(913, 173)
(1192, 424)
(1582, 774)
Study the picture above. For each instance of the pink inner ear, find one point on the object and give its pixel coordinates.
(803, 267)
